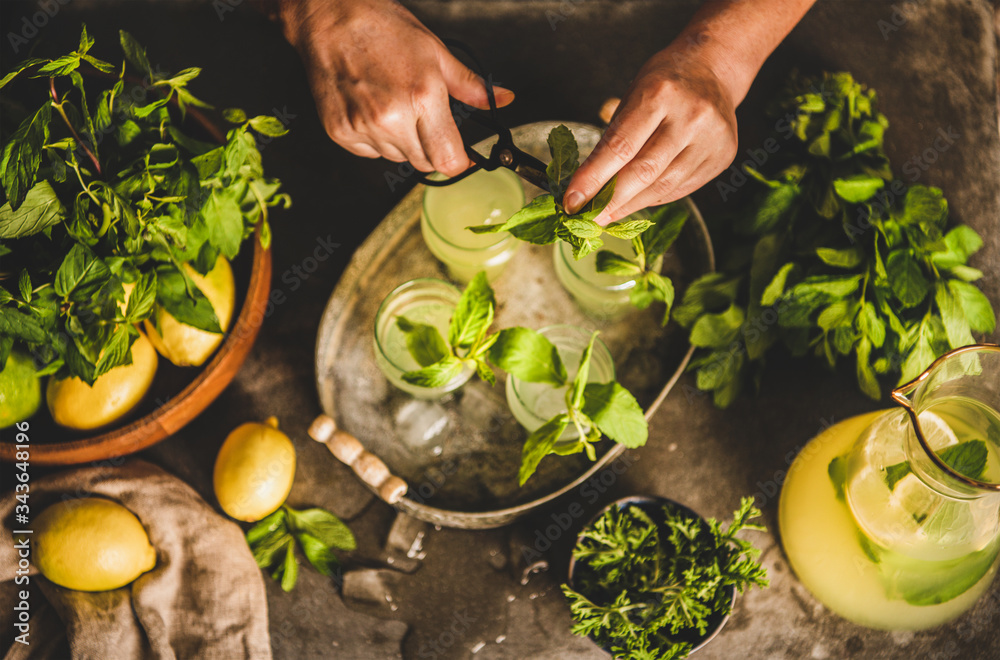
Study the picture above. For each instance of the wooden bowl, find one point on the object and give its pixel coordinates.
(166, 419)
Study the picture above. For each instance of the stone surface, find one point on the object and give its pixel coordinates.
(937, 71)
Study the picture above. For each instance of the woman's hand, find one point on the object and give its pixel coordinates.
(676, 127)
(382, 81)
(674, 130)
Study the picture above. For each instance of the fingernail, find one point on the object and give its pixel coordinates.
(603, 218)
(574, 200)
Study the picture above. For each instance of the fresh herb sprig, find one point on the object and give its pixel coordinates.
(103, 190)
(650, 286)
(467, 343)
(592, 408)
(544, 220)
(641, 587)
(846, 261)
(317, 532)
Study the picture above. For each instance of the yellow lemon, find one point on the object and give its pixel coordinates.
(185, 345)
(76, 405)
(91, 544)
(254, 470)
(20, 390)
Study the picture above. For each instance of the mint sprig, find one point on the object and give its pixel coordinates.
(316, 531)
(441, 361)
(544, 220)
(650, 240)
(593, 408)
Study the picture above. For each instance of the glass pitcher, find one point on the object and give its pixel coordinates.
(893, 519)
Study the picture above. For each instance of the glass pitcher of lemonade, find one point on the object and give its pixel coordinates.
(893, 519)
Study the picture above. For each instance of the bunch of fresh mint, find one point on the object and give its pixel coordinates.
(643, 588)
(544, 220)
(592, 408)
(106, 189)
(316, 531)
(834, 257)
(666, 225)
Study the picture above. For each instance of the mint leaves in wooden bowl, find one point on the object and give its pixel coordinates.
(122, 225)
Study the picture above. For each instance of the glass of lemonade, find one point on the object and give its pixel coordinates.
(601, 296)
(533, 404)
(892, 519)
(482, 198)
(426, 300)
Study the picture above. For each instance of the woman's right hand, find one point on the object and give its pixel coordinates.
(382, 81)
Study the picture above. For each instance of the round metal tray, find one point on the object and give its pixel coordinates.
(460, 456)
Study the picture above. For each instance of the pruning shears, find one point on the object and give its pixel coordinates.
(504, 153)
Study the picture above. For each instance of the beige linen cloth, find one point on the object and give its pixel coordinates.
(204, 599)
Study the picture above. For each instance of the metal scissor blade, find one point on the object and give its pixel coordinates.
(533, 175)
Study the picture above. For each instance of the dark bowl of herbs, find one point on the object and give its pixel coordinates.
(649, 577)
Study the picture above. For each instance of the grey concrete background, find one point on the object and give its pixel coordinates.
(936, 70)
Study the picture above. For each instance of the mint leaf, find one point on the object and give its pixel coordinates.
(871, 325)
(600, 201)
(710, 292)
(858, 188)
(322, 525)
(135, 54)
(539, 445)
(18, 68)
(837, 470)
(318, 554)
(582, 374)
(906, 278)
(542, 207)
(142, 298)
(269, 126)
(628, 229)
(116, 350)
(81, 274)
(662, 289)
(956, 324)
(529, 356)
(975, 306)
(20, 326)
(582, 227)
(613, 263)
(473, 313)
(434, 375)
(24, 285)
(290, 567)
(844, 258)
(616, 413)
(776, 288)
(22, 155)
(224, 218)
(565, 160)
(718, 330)
(266, 526)
(667, 223)
(967, 458)
(776, 205)
(424, 342)
(194, 309)
(484, 371)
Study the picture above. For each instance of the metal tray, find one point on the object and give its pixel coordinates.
(460, 456)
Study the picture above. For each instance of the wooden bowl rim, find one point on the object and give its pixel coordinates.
(188, 403)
